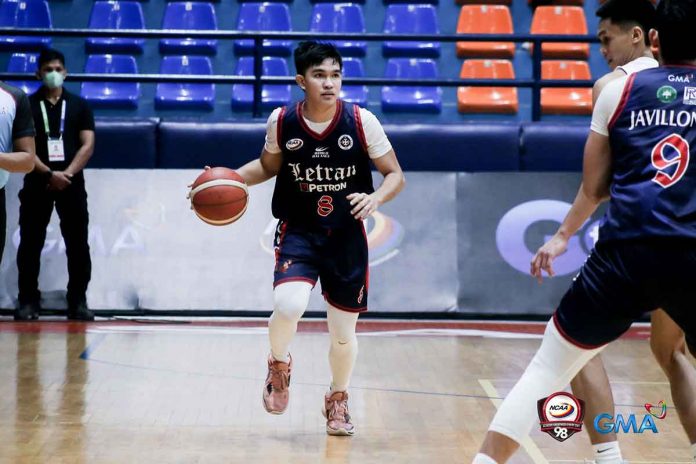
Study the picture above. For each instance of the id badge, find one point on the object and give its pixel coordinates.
(55, 150)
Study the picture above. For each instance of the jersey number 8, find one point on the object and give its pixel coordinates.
(325, 205)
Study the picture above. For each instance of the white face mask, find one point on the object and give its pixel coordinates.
(53, 79)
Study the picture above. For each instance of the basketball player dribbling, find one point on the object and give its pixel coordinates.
(638, 156)
(623, 33)
(320, 150)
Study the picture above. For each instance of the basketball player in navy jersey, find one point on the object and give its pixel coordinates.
(638, 156)
(320, 149)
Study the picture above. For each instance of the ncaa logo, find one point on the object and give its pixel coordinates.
(690, 95)
(560, 415)
(345, 142)
(294, 144)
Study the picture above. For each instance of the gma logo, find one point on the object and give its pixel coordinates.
(605, 423)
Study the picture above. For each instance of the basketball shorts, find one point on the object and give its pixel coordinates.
(336, 257)
(623, 280)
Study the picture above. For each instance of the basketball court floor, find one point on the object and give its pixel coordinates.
(190, 392)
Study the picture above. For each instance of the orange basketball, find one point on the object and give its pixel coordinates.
(219, 196)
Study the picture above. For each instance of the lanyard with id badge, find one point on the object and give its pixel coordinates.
(56, 151)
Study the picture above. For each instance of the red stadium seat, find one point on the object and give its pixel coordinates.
(566, 100)
(485, 19)
(487, 99)
(561, 20)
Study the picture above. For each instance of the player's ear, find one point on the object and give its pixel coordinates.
(637, 35)
(654, 43)
(299, 78)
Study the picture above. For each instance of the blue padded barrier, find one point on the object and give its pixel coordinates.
(110, 151)
(552, 146)
(192, 145)
(456, 147)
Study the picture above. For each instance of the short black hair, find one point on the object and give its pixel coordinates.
(630, 13)
(311, 53)
(675, 25)
(49, 54)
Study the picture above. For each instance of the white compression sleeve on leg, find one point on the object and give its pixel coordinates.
(483, 459)
(551, 369)
(344, 346)
(289, 303)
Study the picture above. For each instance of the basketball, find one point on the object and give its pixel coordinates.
(219, 196)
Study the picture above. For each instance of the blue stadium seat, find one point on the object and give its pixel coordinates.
(185, 96)
(24, 14)
(335, 1)
(411, 19)
(413, 99)
(263, 17)
(272, 95)
(353, 67)
(24, 63)
(111, 94)
(340, 17)
(116, 15)
(189, 16)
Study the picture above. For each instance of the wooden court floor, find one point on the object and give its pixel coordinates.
(129, 392)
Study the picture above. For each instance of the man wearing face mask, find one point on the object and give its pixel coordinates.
(64, 143)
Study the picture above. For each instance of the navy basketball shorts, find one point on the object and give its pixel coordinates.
(623, 280)
(337, 257)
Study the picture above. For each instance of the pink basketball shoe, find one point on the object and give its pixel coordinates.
(276, 392)
(336, 413)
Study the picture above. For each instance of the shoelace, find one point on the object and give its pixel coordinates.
(339, 411)
(280, 379)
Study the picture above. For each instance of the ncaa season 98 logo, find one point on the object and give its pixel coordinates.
(560, 415)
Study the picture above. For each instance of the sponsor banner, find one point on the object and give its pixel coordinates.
(503, 218)
(150, 251)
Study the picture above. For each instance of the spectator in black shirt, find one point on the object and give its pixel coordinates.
(16, 143)
(64, 143)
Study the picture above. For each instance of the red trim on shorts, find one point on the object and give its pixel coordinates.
(294, 279)
(328, 130)
(569, 339)
(367, 265)
(343, 308)
(359, 127)
(279, 127)
(622, 103)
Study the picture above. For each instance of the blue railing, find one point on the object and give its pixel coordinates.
(257, 80)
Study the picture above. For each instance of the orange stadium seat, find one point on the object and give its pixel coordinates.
(566, 100)
(487, 99)
(561, 20)
(485, 19)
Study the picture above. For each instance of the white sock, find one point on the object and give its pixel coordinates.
(607, 453)
(289, 303)
(344, 346)
(551, 369)
(483, 459)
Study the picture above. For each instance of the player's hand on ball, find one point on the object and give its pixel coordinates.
(363, 205)
(544, 257)
(188, 194)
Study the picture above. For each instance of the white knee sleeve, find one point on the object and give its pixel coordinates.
(344, 346)
(551, 369)
(289, 303)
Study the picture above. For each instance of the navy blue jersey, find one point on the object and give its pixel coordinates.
(320, 170)
(653, 180)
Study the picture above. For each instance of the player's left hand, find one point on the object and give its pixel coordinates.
(363, 205)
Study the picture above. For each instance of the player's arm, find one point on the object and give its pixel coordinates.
(602, 82)
(22, 159)
(363, 204)
(262, 168)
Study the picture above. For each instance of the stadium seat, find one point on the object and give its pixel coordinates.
(411, 19)
(264, 17)
(353, 67)
(272, 96)
(24, 14)
(111, 94)
(190, 16)
(185, 96)
(334, 1)
(432, 2)
(535, 3)
(116, 15)
(24, 63)
(487, 99)
(340, 17)
(561, 20)
(484, 2)
(485, 19)
(411, 99)
(566, 100)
